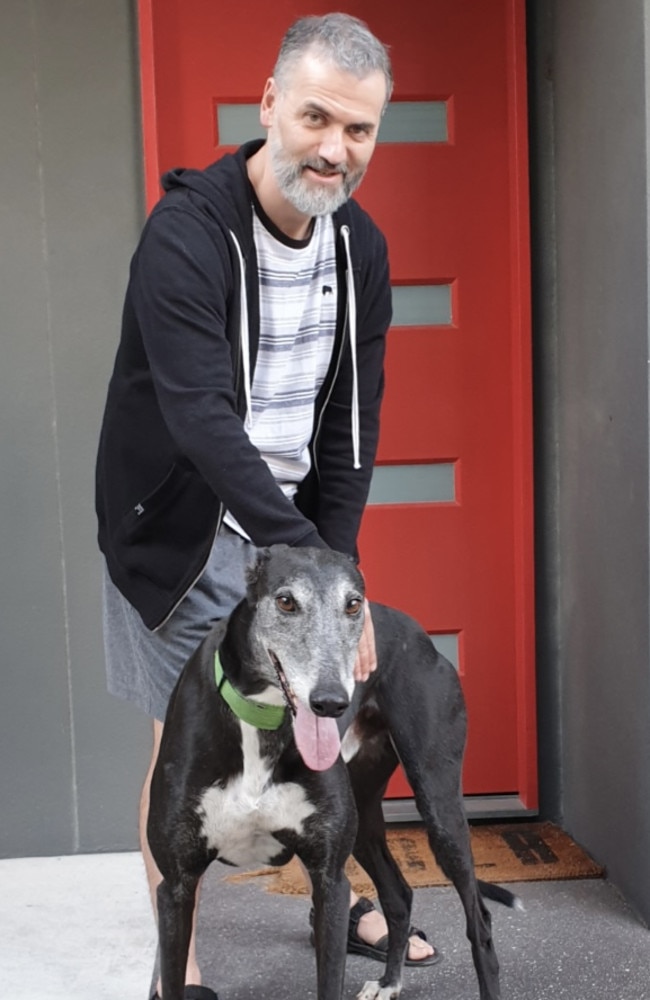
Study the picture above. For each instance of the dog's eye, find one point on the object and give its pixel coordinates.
(286, 603)
(354, 605)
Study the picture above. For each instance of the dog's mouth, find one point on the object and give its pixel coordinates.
(317, 738)
(285, 687)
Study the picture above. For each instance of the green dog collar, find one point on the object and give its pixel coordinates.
(255, 713)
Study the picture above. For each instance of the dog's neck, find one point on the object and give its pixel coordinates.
(259, 714)
(246, 663)
(238, 657)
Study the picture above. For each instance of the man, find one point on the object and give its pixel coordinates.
(244, 404)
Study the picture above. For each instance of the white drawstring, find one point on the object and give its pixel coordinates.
(244, 339)
(352, 322)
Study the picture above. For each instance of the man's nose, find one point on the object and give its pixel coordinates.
(332, 147)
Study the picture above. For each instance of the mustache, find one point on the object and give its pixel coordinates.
(325, 167)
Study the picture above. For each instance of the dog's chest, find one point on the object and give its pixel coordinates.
(239, 820)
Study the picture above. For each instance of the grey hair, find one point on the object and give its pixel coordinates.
(341, 38)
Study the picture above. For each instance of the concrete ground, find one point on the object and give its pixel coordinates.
(80, 928)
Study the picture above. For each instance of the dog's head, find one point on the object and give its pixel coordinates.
(308, 618)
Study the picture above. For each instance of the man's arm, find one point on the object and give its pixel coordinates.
(183, 288)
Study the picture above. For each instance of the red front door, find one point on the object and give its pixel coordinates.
(448, 534)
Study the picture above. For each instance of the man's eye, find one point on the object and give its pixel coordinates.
(353, 607)
(286, 603)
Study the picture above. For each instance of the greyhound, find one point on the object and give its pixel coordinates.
(252, 769)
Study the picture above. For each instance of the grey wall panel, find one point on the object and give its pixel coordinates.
(71, 757)
(596, 59)
(36, 800)
(603, 315)
(92, 193)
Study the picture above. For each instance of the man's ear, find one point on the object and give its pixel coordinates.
(267, 104)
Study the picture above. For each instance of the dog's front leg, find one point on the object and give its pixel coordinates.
(372, 853)
(175, 914)
(331, 898)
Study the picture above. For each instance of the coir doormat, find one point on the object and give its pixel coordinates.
(516, 852)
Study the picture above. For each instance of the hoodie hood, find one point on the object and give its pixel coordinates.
(220, 186)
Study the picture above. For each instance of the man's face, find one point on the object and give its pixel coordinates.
(322, 130)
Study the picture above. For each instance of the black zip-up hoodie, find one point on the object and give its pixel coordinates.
(173, 452)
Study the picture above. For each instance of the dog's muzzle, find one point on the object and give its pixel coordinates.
(288, 694)
(314, 726)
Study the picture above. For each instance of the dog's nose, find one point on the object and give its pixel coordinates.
(329, 703)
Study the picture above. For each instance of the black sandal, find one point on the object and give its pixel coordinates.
(378, 950)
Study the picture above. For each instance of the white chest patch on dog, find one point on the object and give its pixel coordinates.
(239, 820)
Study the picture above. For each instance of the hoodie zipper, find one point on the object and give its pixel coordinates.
(351, 314)
(244, 334)
(349, 325)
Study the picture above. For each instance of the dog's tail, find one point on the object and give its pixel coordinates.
(500, 895)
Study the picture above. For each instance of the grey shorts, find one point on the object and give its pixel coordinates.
(143, 666)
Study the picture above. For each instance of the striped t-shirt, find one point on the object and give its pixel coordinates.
(298, 297)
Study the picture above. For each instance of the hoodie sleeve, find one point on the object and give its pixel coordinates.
(183, 288)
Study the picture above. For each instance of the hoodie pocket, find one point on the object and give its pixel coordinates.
(155, 539)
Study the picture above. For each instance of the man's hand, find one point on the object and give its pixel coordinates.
(366, 661)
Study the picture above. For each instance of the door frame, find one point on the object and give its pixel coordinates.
(525, 801)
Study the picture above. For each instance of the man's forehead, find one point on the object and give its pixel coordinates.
(312, 74)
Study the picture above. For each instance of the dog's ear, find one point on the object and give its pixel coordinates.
(255, 572)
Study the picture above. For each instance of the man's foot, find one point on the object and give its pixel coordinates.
(368, 935)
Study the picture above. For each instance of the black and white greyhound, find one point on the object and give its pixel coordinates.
(252, 769)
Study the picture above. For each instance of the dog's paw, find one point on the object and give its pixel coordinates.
(373, 990)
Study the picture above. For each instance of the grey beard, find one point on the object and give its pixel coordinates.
(306, 200)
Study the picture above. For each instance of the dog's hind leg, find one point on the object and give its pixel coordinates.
(369, 773)
(449, 839)
(428, 728)
(435, 780)
(175, 913)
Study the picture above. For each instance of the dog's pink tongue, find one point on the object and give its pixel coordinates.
(317, 739)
